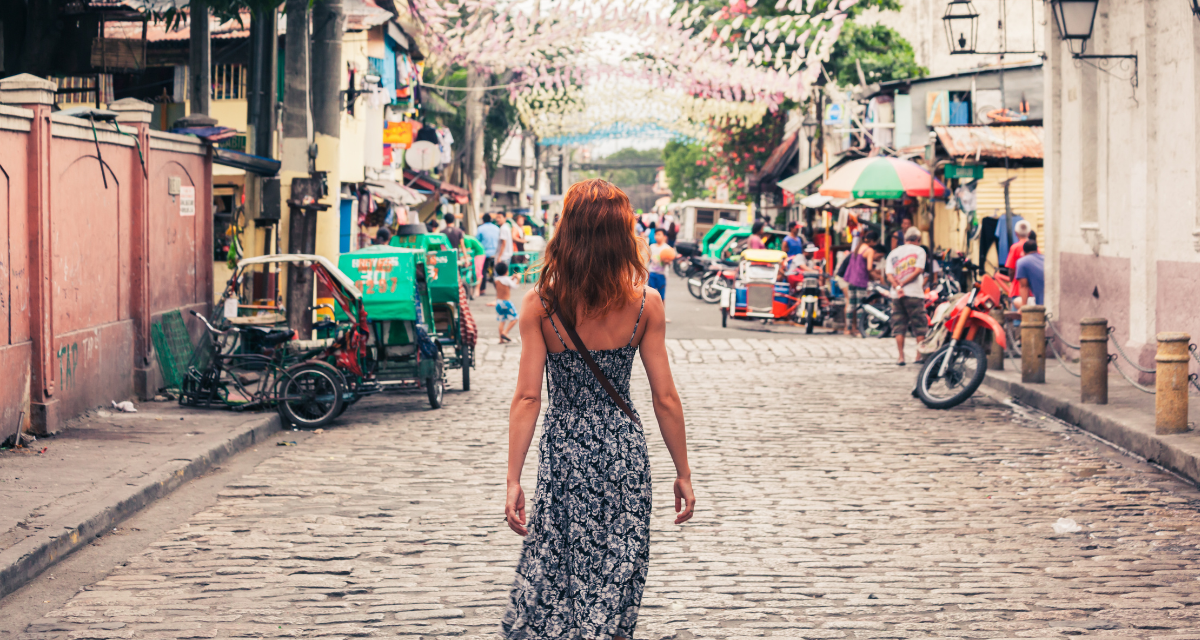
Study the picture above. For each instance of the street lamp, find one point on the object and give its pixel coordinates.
(961, 18)
(1075, 20)
(810, 131)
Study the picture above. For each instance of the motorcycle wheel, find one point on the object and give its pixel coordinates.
(724, 317)
(808, 326)
(680, 266)
(695, 286)
(964, 374)
(710, 292)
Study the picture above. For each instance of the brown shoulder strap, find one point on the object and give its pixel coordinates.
(604, 381)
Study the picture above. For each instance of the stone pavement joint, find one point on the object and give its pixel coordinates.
(831, 505)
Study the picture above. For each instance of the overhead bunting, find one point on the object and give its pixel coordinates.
(582, 70)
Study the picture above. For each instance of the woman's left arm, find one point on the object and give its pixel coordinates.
(668, 408)
(526, 405)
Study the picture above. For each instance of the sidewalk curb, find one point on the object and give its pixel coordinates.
(26, 560)
(1161, 450)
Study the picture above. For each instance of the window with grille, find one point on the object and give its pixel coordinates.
(229, 82)
(82, 89)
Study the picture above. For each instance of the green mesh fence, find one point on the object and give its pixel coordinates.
(173, 347)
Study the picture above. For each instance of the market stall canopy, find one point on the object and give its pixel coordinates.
(395, 192)
(797, 183)
(815, 201)
(881, 178)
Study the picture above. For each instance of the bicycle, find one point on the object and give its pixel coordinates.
(307, 394)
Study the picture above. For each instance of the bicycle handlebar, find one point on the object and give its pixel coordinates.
(206, 323)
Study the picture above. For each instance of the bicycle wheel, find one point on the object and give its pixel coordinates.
(310, 395)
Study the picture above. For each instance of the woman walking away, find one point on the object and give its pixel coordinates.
(587, 538)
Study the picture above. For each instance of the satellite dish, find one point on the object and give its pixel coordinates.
(423, 155)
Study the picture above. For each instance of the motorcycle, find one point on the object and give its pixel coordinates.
(719, 280)
(955, 370)
(875, 312)
(810, 312)
(685, 257)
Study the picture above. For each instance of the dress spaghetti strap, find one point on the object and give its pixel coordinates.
(555, 327)
(639, 319)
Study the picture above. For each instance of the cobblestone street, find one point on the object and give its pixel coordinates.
(831, 504)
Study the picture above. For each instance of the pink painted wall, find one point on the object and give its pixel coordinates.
(118, 253)
(1093, 287)
(15, 346)
(1176, 306)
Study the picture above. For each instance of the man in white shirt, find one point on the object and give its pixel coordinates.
(505, 252)
(905, 270)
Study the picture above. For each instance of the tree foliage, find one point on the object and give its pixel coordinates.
(687, 167)
(499, 115)
(882, 52)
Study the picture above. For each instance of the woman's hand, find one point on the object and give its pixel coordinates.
(514, 507)
(684, 495)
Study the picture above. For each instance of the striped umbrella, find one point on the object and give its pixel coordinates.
(880, 178)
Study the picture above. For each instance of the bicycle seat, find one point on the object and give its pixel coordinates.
(268, 337)
(325, 324)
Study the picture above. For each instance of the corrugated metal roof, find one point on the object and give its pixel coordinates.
(1014, 142)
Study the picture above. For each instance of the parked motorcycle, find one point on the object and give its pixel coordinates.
(954, 372)
(720, 280)
(875, 312)
(810, 312)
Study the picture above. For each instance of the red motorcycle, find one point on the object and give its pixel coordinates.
(954, 372)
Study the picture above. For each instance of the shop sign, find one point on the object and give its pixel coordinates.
(187, 201)
(964, 172)
(835, 114)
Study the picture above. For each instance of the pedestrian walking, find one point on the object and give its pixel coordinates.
(505, 252)
(453, 233)
(506, 312)
(587, 541)
(657, 279)
(756, 235)
(905, 270)
(1031, 275)
(488, 235)
(518, 232)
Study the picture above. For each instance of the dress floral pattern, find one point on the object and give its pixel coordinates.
(584, 560)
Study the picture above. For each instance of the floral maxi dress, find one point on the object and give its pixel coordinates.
(583, 563)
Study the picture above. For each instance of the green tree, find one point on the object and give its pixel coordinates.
(632, 176)
(687, 167)
(882, 52)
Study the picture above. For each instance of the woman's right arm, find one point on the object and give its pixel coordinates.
(526, 405)
(668, 408)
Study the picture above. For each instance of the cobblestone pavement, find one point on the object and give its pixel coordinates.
(831, 505)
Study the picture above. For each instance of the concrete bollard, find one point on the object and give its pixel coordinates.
(1171, 383)
(1093, 361)
(1033, 343)
(995, 356)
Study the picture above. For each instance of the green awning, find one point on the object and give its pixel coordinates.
(797, 183)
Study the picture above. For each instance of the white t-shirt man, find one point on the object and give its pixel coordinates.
(505, 251)
(902, 262)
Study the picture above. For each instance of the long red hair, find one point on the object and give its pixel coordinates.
(595, 262)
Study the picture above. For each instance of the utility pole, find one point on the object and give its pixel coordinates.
(199, 67)
(294, 154)
(329, 21)
(476, 173)
(260, 103)
(566, 168)
(521, 178)
(536, 203)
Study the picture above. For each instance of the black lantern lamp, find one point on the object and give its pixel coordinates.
(1075, 20)
(810, 127)
(962, 26)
